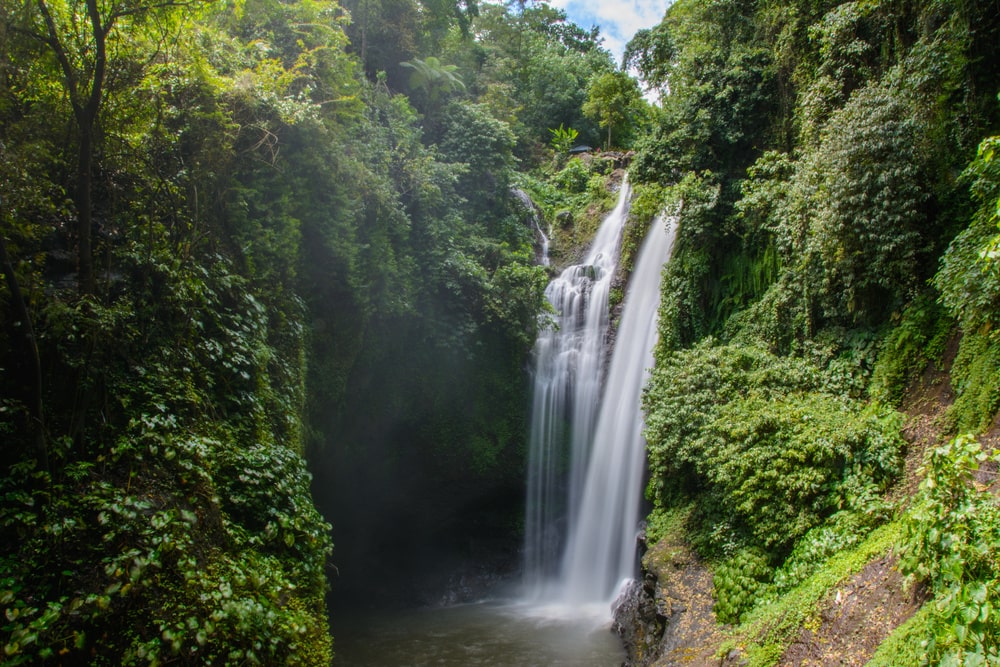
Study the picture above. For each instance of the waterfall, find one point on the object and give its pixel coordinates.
(587, 453)
(600, 551)
(531, 209)
(568, 362)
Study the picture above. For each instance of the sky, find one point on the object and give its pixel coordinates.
(618, 19)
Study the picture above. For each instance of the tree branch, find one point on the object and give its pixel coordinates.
(53, 41)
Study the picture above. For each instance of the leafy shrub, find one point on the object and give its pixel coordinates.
(917, 339)
(780, 467)
(563, 138)
(840, 532)
(865, 197)
(574, 177)
(784, 463)
(953, 542)
(264, 495)
(740, 582)
(687, 390)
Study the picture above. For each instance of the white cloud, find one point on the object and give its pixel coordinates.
(619, 20)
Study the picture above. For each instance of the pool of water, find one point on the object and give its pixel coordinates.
(496, 633)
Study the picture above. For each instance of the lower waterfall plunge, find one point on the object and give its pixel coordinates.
(587, 452)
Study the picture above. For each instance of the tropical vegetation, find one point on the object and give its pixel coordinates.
(250, 244)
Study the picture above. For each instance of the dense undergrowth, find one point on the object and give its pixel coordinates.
(238, 234)
(185, 516)
(838, 228)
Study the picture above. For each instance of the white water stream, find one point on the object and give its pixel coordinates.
(583, 504)
(587, 452)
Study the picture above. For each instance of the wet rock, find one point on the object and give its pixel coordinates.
(638, 620)
(668, 618)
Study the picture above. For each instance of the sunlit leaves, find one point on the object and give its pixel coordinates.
(952, 538)
(433, 78)
(614, 99)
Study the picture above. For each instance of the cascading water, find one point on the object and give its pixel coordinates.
(600, 551)
(532, 210)
(580, 535)
(569, 358)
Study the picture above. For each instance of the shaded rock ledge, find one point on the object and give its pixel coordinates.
(665, 616)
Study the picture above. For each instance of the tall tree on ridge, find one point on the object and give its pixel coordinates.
(82, 38)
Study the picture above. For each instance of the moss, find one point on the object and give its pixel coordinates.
(769, 630)
(976, 377)
(903, 646)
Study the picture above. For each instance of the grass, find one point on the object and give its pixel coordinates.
(770, 629)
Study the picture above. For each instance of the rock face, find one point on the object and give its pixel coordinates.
(665, 617)
(638, 622)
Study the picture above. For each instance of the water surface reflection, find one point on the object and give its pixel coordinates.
(497, 634)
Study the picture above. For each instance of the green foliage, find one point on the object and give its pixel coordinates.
(867, 197)
(432, 78)
(918, 339)
(782, 463)
(574, 178)
(212, 549)
(816, 149)
(471, 136)
(768, 630)
(781, 468)
(563, 138)
(573, 199)
(739, 582)
(614, 99)
(663, 523)
(765, 441)
(746, 580)
(952, 538)
(531, 67)
(648, 207)
(975, 374)
(969, 281)
(685, 314)
(650, 52)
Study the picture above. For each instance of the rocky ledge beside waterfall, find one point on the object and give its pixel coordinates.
(665, 615)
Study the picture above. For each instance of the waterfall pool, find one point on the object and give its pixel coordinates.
(494, 633)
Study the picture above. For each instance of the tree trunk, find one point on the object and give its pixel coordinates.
(36, 407)
(86, 103)
(84, 182)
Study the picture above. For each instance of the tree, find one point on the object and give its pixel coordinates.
(433, 78)
(652, 53)
(613, 98)
(87, 44)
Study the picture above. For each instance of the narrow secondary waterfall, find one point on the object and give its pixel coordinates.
(580, 534)
(532, 210)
